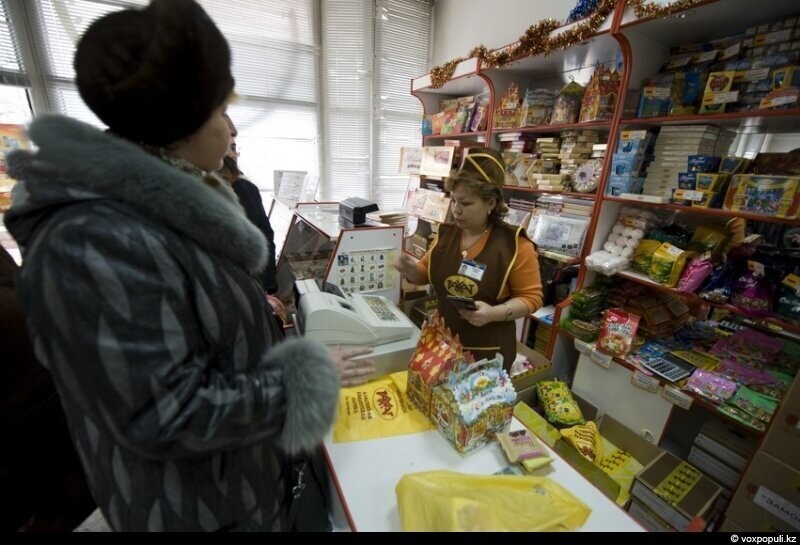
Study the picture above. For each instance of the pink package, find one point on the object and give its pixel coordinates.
(711, 386)
(744, 374)
(695, 273)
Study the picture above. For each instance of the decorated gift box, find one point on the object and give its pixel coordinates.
(437, 351)
(473, 403)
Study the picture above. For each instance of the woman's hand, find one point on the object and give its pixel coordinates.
(479, 317)
(407, 266)
(352, 372)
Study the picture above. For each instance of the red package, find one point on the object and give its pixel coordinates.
(617, 332)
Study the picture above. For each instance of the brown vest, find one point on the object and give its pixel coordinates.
(498, 255)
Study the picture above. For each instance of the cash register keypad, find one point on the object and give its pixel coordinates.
(380, 308)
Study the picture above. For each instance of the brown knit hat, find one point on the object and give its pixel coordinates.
(484, 164)
(154, 75)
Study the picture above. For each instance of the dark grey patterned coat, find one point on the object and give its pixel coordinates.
(139, 302)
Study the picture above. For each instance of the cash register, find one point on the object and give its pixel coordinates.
(335, 318)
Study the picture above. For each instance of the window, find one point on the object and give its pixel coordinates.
(371, 50)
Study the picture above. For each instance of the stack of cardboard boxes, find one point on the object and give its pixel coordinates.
(768, 496)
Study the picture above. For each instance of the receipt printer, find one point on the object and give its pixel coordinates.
(354, 210)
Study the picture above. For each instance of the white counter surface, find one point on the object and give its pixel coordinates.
(365, 474)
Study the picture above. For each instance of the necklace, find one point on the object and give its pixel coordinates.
(465, 250)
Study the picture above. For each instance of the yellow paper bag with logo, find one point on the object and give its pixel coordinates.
(441, 501)
(379, 408)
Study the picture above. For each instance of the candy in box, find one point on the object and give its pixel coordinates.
(473, 403)
(437, 350)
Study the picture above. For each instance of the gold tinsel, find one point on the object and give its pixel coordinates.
(643, 8)
(535, 41)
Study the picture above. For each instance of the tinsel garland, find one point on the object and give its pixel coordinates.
(644, 8)
(535, 41)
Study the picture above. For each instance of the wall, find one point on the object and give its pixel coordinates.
(460, 25)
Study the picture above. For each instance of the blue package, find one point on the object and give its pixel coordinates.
(687, 180)
(703, 163)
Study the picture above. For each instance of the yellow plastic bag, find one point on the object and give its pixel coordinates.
(379, 408)
(437, 501)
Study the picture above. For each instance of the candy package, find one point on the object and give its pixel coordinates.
(695, 273)
(643, 257)
(752, 294)
(755, 404)
(718, 287)
(617, 332)
(711, 386)
(667, 264)
(560, 407)
(586, 440)
(567, 105)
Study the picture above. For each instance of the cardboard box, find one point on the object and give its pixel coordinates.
(649, 520)
(768, 497)
(675, 491)
(542, 369)
(783, 439)
(730, 525)
(639, 448)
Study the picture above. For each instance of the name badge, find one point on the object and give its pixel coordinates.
(472, 269)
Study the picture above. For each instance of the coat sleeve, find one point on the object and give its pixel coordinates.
(116, 318)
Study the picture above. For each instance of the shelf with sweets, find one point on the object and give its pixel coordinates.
(703, 211)
(550, 129)
(429, 137)
(754, 121)
(696, 399)
(771, 322)
(587, 196)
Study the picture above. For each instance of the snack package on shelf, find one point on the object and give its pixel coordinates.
(621, 244)
(537, 106)
(567, 105)
(600, 95)
(508, 113)
(617, 332)
(559, 406)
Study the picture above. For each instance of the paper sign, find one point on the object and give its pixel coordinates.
(778, 506)
(410, 160)
(436, 160)
(583, 347)
(289, 186)
(603, 360)
(676, 397)
(721, 98)
(640, 380)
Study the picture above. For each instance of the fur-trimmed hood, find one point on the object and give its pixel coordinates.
(77, 162)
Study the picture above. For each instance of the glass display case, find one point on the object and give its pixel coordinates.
(357, 260)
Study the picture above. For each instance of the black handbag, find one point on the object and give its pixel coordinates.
(308, 493)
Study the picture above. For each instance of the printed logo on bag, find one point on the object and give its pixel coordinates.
(385, 401)
(460, 285)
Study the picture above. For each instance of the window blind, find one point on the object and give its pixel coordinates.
(402, 52)
(371, 50)
(347, 42)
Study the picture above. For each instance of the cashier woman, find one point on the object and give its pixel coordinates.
(480, 257)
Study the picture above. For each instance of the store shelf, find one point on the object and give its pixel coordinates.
(770, 322)
(587, 196)
(549, 129)
(567, 259)
(704, 211)
(696, 399)
(756, 121)
(481, 134)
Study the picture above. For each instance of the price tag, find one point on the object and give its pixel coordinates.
(721, 98)
(656, 92)
(705, 57)
(583, 347)
(756, 267)
(603, 360)
(676, 397)
(778, 100)
(730, 52)
(677, 63)
(639, 135)
(693, 195)
(751, 75)
(640, 380)
(792, 282)
(749, 239)
(673, 250)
